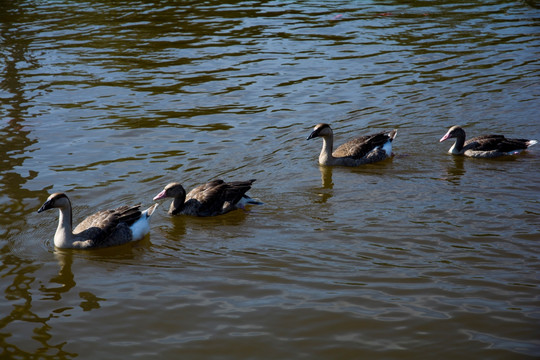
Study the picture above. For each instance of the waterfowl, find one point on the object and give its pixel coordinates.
(102, 229)
(485, 146)
(362, 150)
(216, 197)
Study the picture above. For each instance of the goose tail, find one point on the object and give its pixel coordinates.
(142, 226)
(387, 146)
(150, 211)
(246, 200)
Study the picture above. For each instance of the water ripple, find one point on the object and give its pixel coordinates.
(111, 101)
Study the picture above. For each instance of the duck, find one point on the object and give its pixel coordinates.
(359, 151)
(216, 197)
(102, 229)
(485, 146)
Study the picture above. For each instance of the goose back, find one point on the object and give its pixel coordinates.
(359, 147)
(109, 227)
(497, 143)
(207, 199)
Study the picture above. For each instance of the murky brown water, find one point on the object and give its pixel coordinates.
(424, 256)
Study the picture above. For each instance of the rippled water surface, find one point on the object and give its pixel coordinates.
(424, 256)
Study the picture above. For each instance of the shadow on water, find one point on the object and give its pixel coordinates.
(180, 226)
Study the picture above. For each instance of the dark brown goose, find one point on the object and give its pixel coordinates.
(213, 198)
(359, 151)
(485, 146)
(102, 229)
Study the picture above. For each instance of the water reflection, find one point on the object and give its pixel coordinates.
(65, 277)
(176, 228)
(14, 136)
(24, 310)
(326, 192)
(454, 170)
(326, 177)
(165, 86)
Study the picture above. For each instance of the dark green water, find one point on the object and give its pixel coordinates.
(420, 257)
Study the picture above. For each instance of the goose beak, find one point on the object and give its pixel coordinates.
(313, 134)
(45, 206)
(161, 195)
(446, 136)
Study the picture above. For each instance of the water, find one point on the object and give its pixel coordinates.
(422, 256)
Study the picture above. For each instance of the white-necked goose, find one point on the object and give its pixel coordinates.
(485, 146)
(213, 198)
(102, 229)
(359, 151)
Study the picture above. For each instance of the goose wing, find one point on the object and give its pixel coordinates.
(101, 225)
(359, 147)
(497, 143)
(235, 190)
(204, 188)
(208, 198)
(217, 197)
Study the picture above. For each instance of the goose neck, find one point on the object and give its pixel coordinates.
(64, 236)
(326, 152)
(177, 205)
(457, 148)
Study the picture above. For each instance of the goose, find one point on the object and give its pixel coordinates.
(216, 197)
(359, 151)
(485, 146)
(102, 229)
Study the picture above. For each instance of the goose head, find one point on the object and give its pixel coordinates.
(320, 130)
(56, 200)
(454, 132)
(172, 190)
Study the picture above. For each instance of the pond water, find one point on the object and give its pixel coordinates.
(422, 256)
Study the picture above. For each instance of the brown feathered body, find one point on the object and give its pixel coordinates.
(358, 151)
(216, 197)
(108, 227)
(485, 146)
(101, 229)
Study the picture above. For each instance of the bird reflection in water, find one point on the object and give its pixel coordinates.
(65, 277)
(327, 184)
(455, 170)
(66, 281)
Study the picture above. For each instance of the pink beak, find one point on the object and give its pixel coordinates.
(444, 137)
(161, 195)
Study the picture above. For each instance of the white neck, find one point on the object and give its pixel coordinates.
(63, 238)
(453, 149)
(325, 157)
